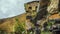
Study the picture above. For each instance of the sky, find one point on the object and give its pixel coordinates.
(11, 8)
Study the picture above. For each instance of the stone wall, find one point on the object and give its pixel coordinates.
(53, 7)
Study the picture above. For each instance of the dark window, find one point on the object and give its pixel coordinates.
(27, 11)
(36, 6)
(30, 7)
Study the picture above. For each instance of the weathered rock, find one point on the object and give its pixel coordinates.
(53, 7)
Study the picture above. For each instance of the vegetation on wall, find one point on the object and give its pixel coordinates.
(19, 27)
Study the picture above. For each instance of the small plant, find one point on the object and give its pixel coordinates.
(19, 28)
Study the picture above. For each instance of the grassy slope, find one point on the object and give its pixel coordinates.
(9, 23)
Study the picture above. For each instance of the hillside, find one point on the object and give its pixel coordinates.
(8, 24)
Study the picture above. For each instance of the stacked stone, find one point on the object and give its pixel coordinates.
(53, 6)
(53, 10)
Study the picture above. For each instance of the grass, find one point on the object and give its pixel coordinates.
(46, 32)
(20, 28)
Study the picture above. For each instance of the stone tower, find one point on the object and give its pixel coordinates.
(31, 11)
